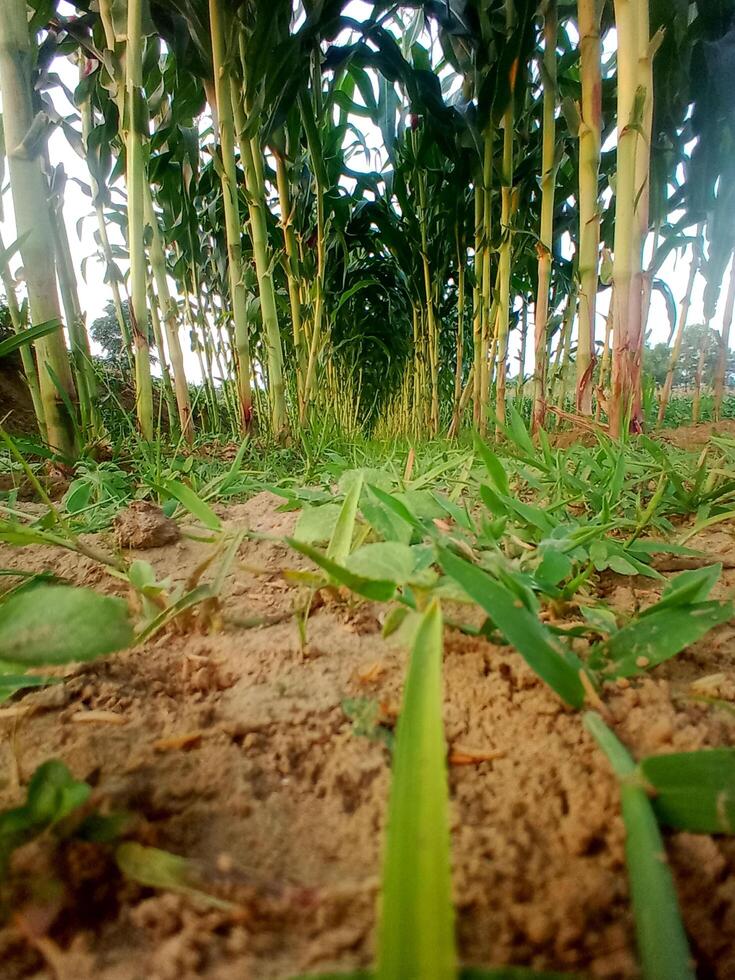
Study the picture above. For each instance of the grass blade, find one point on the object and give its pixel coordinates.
(495, 469)
(662, 941)
(559, 668)
(416, 933)
(379, 590)
(193, 503)
(341, 540)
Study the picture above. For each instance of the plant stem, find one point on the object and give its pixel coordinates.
(29, 189)
(589, 12)
(548, 176)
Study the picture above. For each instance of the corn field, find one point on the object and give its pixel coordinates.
(366, 567)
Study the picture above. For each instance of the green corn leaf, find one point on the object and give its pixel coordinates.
(656, 636)
(694, 791)
(341, 540)
(18, 340)
(396, 506)
(57, 624)
(494, 467)
(519, 434)
(378, 590)
(386, 522)
(662, 942)
(193, 503)
(558, 667)
(497, 505)
(416, 931)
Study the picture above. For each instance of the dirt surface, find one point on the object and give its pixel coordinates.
(234, 749)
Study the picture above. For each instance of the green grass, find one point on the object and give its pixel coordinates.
(443, 531)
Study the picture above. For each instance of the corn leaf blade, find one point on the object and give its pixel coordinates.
(416, 933)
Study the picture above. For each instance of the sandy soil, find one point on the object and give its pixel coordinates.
(233, 749)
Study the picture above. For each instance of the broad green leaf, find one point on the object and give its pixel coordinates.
(155, 868)
(662, 942)
(694, 791)
(421, 504)
(494, 467)
(57, 624)
(554, 566)
(387, 560)
(416, 930)
(600, 617)
(656, 636)
(378, 590)
(689, 587)
(341, 539)
(53, 794)
(316, 524)
(193, 503)
(559, 667)
(78, 496)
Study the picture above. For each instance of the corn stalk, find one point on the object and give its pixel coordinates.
(222, 82)
(589, 13)
(506, 243)
(627, 261)
(548, 168)
(169, 314)
(134, 126)
(251, 157)
(30, 192)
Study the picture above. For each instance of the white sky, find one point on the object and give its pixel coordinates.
(94, 293)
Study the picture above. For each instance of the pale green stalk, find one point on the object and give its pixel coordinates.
(30, 190)
(548, 176)
(170, 316)
(232, 209)
(136, 121)
(590, 126)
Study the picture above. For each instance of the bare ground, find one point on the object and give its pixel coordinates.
(234, 750)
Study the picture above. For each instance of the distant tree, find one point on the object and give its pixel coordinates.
(656, 358)
(105, 331)
(656, 361)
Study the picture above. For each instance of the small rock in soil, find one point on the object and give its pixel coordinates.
(144, 525)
